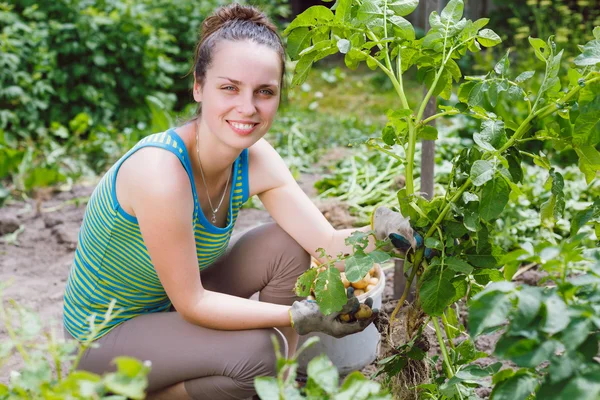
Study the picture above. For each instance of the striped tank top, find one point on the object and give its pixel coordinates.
(111, 260)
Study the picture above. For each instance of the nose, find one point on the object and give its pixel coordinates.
(246, 105)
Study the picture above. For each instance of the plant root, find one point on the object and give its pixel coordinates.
(403, 386)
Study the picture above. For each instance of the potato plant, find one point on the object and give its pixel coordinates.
(50, 365)
(323, 380)
(457, 223)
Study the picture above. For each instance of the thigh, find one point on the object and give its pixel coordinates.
(180, 351)
(265, 259)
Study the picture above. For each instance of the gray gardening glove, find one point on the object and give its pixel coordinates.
(306, 317)
(393, 225)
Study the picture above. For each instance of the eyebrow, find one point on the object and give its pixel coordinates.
(240, 83)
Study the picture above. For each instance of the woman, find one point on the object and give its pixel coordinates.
(166, 210)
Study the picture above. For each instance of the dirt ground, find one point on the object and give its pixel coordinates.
(37, 256)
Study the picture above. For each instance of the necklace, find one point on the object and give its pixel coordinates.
(214, 210)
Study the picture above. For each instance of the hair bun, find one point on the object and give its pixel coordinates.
(232, 12)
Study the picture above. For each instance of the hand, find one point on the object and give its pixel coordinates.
(306, 317)
(393, 225)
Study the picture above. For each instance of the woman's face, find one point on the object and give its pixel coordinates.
(241, 92)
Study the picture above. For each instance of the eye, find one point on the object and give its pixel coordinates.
(227, 88)
(267, 91)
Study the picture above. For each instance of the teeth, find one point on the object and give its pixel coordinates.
(242, 126)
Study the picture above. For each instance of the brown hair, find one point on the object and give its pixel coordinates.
(236, 23)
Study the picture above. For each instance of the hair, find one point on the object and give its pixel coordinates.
(234, 22)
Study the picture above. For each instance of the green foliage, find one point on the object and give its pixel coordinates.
(82, 81)
(460, 222)
(323, 380)
(552, 332)
(50, 365)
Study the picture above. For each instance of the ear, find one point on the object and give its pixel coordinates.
(197, 91)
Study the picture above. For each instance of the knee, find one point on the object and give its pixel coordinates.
(288, 246)
(261, 357)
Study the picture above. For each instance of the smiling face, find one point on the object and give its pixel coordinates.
(241, 93)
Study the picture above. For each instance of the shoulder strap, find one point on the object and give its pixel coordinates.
(170, 141)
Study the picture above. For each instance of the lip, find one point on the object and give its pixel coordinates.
(241, 131)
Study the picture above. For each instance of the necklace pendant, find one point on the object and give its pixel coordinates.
(214, 218)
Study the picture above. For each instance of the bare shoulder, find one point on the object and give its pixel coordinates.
(266, 168)
(153, 175)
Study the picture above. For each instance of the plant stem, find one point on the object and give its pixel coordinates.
(438, 333)
(442, 215)
(447, 330)
(449, 112)
(406, 290)
(11, 333)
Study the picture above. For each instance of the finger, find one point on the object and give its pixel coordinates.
(399, 241)
(351, 306)
(369, 302)
(350, 292)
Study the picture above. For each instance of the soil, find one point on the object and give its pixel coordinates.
(36, 256)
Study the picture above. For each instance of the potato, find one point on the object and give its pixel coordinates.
(362, 283)
(363, 312)
(345, 280)
(373, 281)
(358, 292)
(369, 288)
(345, 317)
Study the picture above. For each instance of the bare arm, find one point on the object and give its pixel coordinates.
(293, 210)
(163, 206)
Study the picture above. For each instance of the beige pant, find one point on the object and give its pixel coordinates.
(214, 364)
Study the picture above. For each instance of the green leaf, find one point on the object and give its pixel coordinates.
(458, 265)
(357, 266)
(490, 308)
(403, 7)
(557, 315)
(298, 40)
(587, 123)
(584, 216)
(402, 28)
(554, 207)
(310, 18)
(427, 132)
(591, 54)
(323, 372)
(357, 387)
(494, 198)
(435, 292)
(453, 11)
(267, 387)
(528, 306)
(517, 387)
(585, 387)
(464, 91)
(488, 38)
(524, 76)
(477, 94)
(514, 164)
(492, 132)
(379, 256)
(304, 282)
(161, 119)
(541, 49)
(368, 11)
(501, 67)
(343, 11)
(329, 291)
(481, 172)
(302, 69)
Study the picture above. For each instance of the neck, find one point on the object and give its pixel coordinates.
(216, 157)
